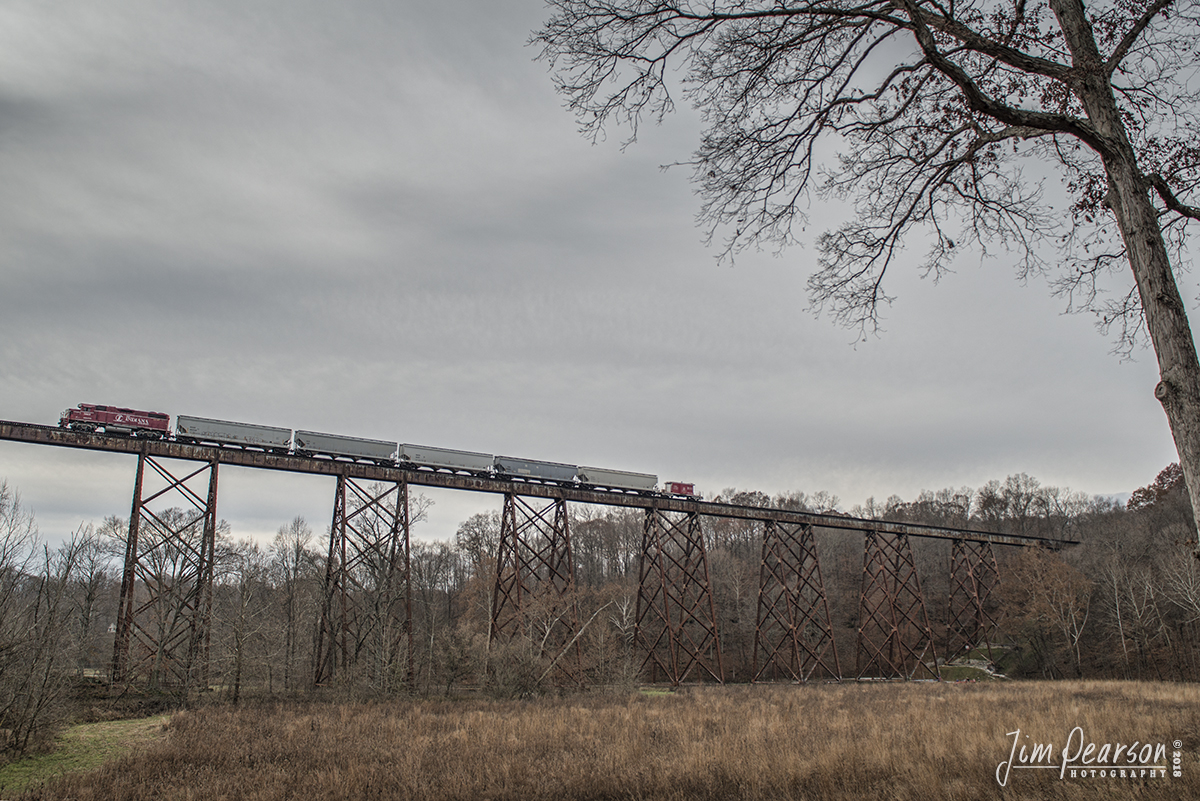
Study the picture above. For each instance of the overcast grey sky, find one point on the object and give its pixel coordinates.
(375, 218)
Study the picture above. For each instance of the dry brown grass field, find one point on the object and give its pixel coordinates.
(826, 741)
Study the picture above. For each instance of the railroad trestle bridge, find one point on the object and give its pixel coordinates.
(676, 630)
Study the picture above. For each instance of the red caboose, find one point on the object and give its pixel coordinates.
(115, 420)
(679, 488)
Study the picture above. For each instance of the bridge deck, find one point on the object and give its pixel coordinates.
(245, 457)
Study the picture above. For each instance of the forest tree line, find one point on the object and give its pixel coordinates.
(1125, 603)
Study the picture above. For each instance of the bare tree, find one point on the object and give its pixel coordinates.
(92, 582)
(35, 623)
(1052, 598)
(245, 576)
(623, 620)
(734, 581)
(18, 540)
(820, 501)
(1181, 579)
(433, 580)
(295, 567)
(478, 537)
(934, 107)
(1131, 597)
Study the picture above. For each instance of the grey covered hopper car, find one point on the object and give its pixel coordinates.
(532, 468)
(203, 429)
(620, 479)
(312, 442)
(446, 458)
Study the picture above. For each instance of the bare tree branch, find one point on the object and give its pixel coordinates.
(1164, 191)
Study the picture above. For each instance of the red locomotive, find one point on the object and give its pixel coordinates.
(116, 420)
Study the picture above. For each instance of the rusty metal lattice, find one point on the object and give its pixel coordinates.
(165, 607)
(535, 581)
(676, 620)
(894, 636)
(793, 636)
(366, 621)
(974, 578)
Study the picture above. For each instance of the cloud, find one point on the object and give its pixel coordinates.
(375, 218)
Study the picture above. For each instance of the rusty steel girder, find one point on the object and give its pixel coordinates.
(249, 457)
(165, 608)
(793, 636)
(366, 619)
(676, 620)
(973, 607)
(895, 639)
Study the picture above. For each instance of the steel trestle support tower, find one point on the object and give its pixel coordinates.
(793, 635)
(165, 607)
(676, 620)
(533, 597)
(895, 639)
(365, 632)
(974, 579)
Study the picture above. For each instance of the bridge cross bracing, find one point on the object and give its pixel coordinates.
(676, 627)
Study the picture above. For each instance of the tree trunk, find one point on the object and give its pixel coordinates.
(1166, 320)
(1129, 200)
